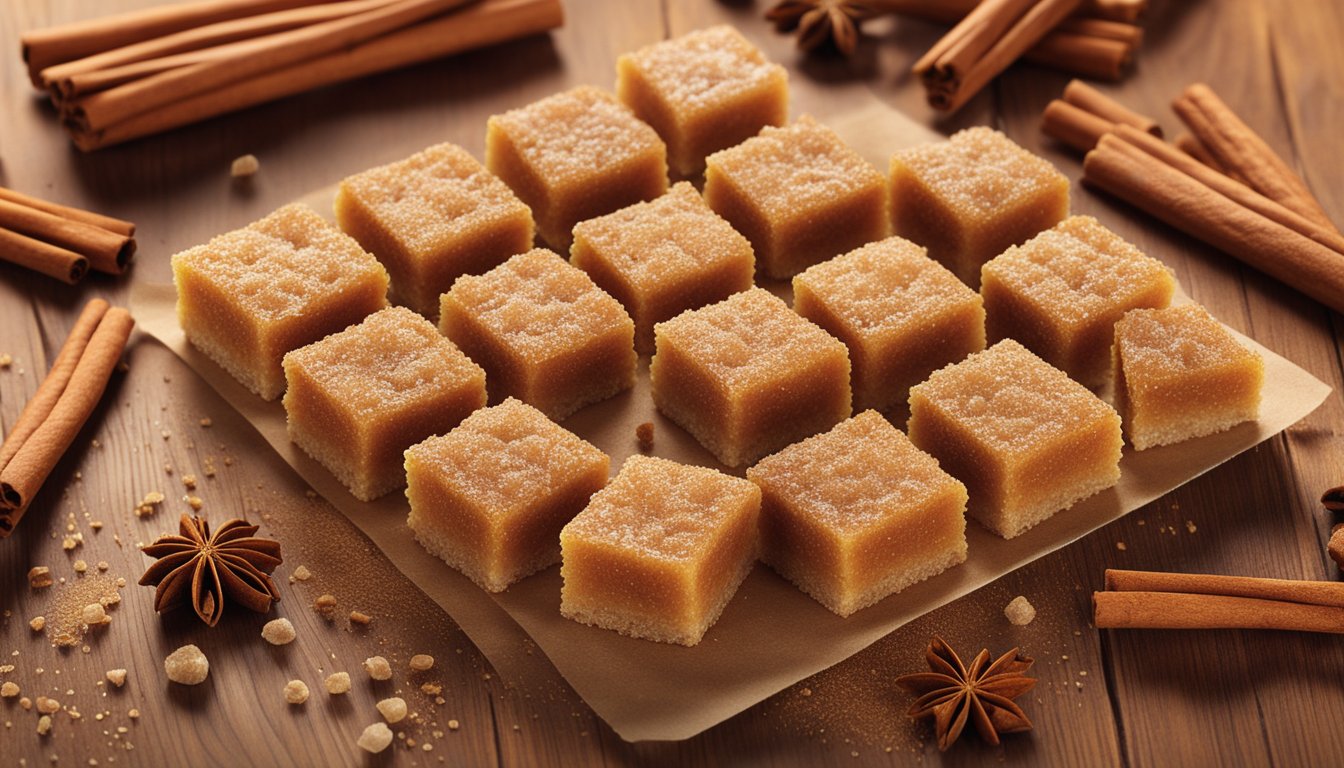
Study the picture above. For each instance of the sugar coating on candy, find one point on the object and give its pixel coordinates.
(979, 171)
(705, 68)
(1183, 339)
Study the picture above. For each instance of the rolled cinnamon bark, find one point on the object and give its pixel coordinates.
(1192, 147)
(50, 260)
(1329, 593)
(1129, 34)
(106, 251)
(1095, 57)
(65, 211)
(1073, 126)
(1179, 610)
(1086, 97)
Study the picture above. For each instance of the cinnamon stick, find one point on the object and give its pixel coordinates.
(1095, 57)
(68, 212)
(484, 23)
(1192, 147)
(1244, 153)
(1328, 593)
(1178, 610)
(106, 251)
(1086, 97)
(50, 260)
(1188, 205)
(80, 386)
(951, 11)
(1129, 34)
(1073, 126)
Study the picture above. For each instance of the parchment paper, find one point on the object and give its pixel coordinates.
(771, 635)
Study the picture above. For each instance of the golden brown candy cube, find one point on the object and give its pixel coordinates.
(249, 296)
(659, 552)
(1027, 440)
(704, 91)
(491, 496)
(359, 398)
(663, 257)
(798, 194)
(573, 156)
(544, 333)
(430, 218)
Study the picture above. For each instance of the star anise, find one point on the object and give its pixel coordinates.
(233, 564)
(983, 692)
(824, 21)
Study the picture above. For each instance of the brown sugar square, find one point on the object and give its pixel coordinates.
(747, 376)
(429, 218)
(858, 513)
(574, 156)
(359, 398)
(902, 315)
(1062, 291)
(544, 333)
(249, 296)
(704, 91)
(798, 194)
(969, 198)
(659, 552)
(1180, 374)
(1027, 440)
(663, 257)
(491, 496)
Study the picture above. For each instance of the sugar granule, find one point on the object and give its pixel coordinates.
(1020, 611)
(95, 615)
(9, 690)
(39, 576)
(375, 738)
(187, 665)
(378, 668)
(393, 710)
(116, 677)
(244, 167)
(338, 683)
(278, 632)
(296, 692)
(422, 662)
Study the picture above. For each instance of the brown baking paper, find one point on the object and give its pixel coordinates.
(771, 635)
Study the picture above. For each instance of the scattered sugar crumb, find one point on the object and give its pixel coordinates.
(278, 632)
(378, 668)
(302, 573)
(187, 665)
(375, 738)
(338, 683)
(644, 436)
(357, 617)
(421, 662)
(244, 167)
(1020, 611)
(296, 692)
(116, 677)
(39, 577)
(393, 710)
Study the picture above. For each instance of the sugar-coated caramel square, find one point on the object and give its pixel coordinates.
(491, 496)
(1061, 293)
(358, 399)
(969, 198)
(747, 376)
(799, 195)
(1027, 440)
(704, 91)
(659, 552)
(858, 513)
(573, 156)
(902, 315)
(432, 217)
(663, 257)
(249, 296)
(1180, 374)
(544, 333)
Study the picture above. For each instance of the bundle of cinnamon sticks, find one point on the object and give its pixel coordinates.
(1152, 600)
(61, 241)
(66, 398)
(140, 73)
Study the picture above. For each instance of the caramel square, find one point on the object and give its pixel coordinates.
(858, 513)
(798, 194)
(969, 198)
(747, 376)
(1027, 440)
(660, 551)
(704, 91)
(1062, 291)
(249, 296)
(544, 333)
(902, 315)
(359, 398)
(574, 156)
(432, 217)
(490, 497)
(1180, 374)
(663, 257)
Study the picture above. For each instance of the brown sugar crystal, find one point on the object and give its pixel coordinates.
(660, 551)
(1180, 374)
(747, 376)
(1027, 440)
(663, 257)
(798, 194)
(858, 513)
(432, 217)
(1062, 291)
(543, 331)
(704, 91)
(574, 156)
(491, 496)
(901, 314)
(969, 198)
(249, 296)
(359, 398)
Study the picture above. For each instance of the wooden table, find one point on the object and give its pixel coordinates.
(1139, 697)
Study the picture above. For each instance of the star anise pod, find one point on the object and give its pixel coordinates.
(233, 564)
(953, 693)
(824, 21)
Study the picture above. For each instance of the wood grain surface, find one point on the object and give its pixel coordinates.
(1103, 698)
